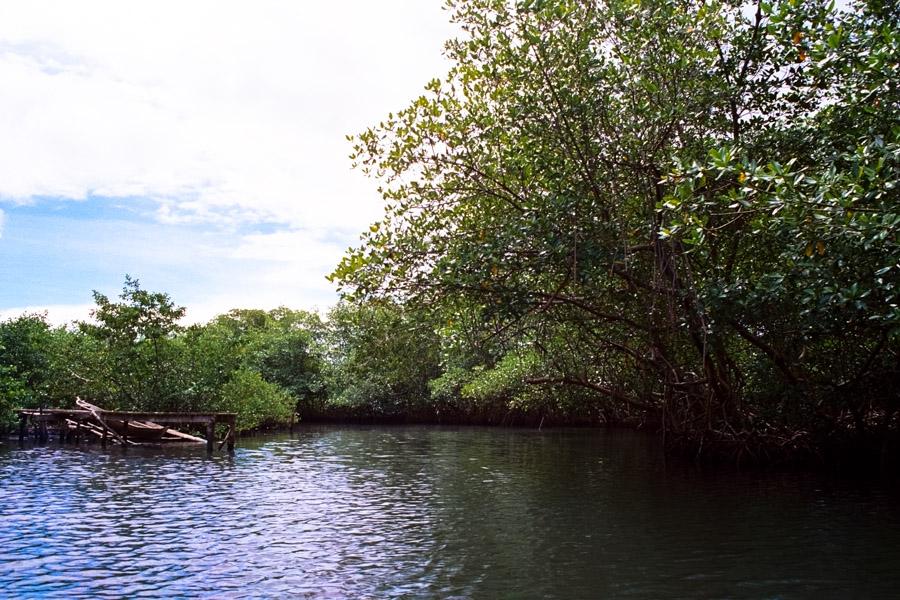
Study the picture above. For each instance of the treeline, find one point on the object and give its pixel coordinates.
(133, 355)
(371, 362)
(681, 212)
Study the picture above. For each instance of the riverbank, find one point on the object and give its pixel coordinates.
(850, 455)
(487, 415)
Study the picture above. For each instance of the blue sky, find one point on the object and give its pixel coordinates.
(196, 146)
(55, 252)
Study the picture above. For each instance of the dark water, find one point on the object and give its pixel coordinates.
(433, 513)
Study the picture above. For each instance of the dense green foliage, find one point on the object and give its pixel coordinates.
(689, 210)
(134, 355)
(375, 360)
(381, 359)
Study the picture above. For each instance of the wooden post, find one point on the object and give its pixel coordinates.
(41, 425)
(231, 433)
(103, 439)
(210, 435)
(125, 434)
(23, 426)
(78, 432)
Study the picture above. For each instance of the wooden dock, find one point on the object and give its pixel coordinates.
(73, 424)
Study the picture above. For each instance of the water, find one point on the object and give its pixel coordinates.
(415, 512)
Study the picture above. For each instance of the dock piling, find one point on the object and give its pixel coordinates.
(23, 426)
(121, 427)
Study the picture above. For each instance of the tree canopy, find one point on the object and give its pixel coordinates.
(689, 209)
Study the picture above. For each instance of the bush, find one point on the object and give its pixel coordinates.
(257, 402)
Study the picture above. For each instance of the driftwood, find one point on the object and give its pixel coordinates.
(95, 411)
(134, 432)
(184, 436)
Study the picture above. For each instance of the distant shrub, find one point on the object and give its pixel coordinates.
(257, 402)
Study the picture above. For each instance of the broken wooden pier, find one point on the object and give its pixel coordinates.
(128, 428)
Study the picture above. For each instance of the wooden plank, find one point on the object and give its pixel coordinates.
(185, 436)
(156, 417)
(91, 428)
(96, 414)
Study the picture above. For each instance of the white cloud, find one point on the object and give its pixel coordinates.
(57, 314)
(226, 115)
(221, 111)
(286, 246)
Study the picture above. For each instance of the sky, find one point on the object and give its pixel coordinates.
(196, 146)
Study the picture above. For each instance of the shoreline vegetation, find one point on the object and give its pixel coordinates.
(675, 215)
(362, 363)
(365, 364)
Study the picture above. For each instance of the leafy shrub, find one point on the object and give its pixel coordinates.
(257, 402)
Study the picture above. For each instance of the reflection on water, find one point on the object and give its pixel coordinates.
(432, 512)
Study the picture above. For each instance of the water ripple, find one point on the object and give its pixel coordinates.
(418, 512)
